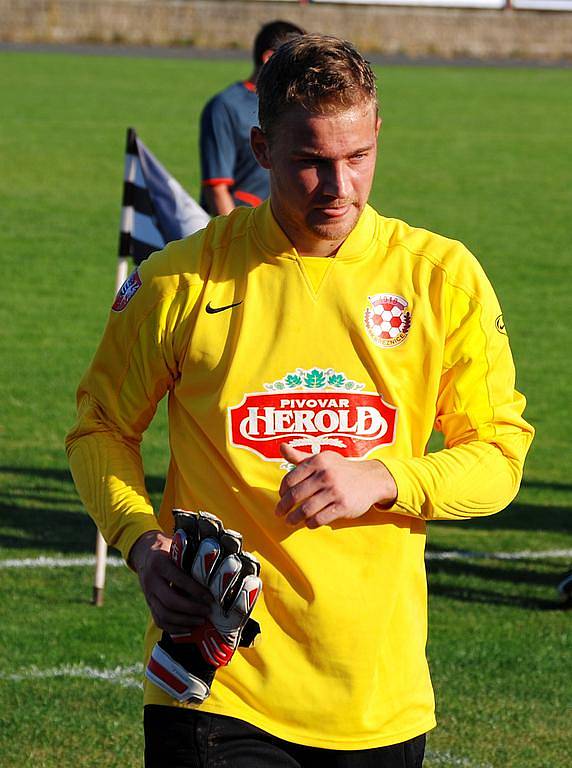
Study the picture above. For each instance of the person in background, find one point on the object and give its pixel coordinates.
(229, 171)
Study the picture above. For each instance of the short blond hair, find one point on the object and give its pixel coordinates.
(320, 73)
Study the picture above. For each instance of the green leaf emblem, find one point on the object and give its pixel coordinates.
(314, 379)
(336, 380)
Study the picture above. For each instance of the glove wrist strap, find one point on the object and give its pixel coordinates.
(174, 679)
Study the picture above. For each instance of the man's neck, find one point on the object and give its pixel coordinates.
(322, 249)
(306, 245)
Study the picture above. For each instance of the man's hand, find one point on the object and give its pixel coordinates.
(183, 664)
(177, 602)
(327, 487)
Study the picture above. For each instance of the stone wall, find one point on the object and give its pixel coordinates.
(415, 32)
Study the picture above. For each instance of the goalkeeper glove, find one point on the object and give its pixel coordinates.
(184, 665)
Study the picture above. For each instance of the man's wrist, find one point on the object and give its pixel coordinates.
(144, 544)
(387, 488)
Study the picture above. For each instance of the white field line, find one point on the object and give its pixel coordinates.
(453, 554)
(525, 554)
(126, 677)
(58, 562)
(447, 760)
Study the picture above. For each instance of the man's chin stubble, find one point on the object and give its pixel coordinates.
(333, 232)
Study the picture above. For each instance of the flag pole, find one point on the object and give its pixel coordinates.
(100, 567)
(100, 543)
(120, 277)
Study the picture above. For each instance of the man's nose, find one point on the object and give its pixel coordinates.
(336, 180)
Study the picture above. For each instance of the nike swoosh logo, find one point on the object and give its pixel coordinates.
(501, 328)
(213, 310)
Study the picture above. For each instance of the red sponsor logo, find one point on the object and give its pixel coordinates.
(350, 423)
(127, 291)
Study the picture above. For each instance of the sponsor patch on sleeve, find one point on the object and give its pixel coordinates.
(127, 291)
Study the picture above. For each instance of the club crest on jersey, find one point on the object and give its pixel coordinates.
(387, 320)
(127, 291)
(312, 410)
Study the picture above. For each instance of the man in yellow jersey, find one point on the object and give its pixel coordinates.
(308, 347)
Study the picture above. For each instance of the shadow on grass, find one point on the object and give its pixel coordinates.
(491, 581)
(497, 585)
(522, 517)
(40, 509)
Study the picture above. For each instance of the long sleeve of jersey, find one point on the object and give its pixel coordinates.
(135, 365)
(478, 411)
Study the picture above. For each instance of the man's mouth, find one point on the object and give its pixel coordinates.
(335, 210)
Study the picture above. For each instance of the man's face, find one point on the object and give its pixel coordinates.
(321, 172)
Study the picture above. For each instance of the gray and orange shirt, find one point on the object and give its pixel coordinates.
(226, 156)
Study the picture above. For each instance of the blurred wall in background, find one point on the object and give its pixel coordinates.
(482, 33)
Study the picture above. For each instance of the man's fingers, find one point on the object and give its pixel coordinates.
(175, 611)
(180, 629)
(182, 602)
(296, 475)
(184, 583)
(177, 602)
(325, 516)
(307, 511)
(296, 493)
(174, 622)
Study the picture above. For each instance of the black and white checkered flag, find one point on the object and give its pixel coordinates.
(156, 208)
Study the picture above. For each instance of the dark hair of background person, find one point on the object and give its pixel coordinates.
(271, 37)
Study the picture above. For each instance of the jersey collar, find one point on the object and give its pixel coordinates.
(275, 242)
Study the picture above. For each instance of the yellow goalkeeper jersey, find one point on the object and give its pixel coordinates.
(364, 354)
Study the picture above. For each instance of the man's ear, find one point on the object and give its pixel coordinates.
(260, 148)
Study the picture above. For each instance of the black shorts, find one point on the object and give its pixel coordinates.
(185, 738)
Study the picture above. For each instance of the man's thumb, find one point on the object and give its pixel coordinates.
(293, 455)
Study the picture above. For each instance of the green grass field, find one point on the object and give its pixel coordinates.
(482, 155)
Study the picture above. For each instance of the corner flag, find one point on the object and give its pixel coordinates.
(156, 208)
